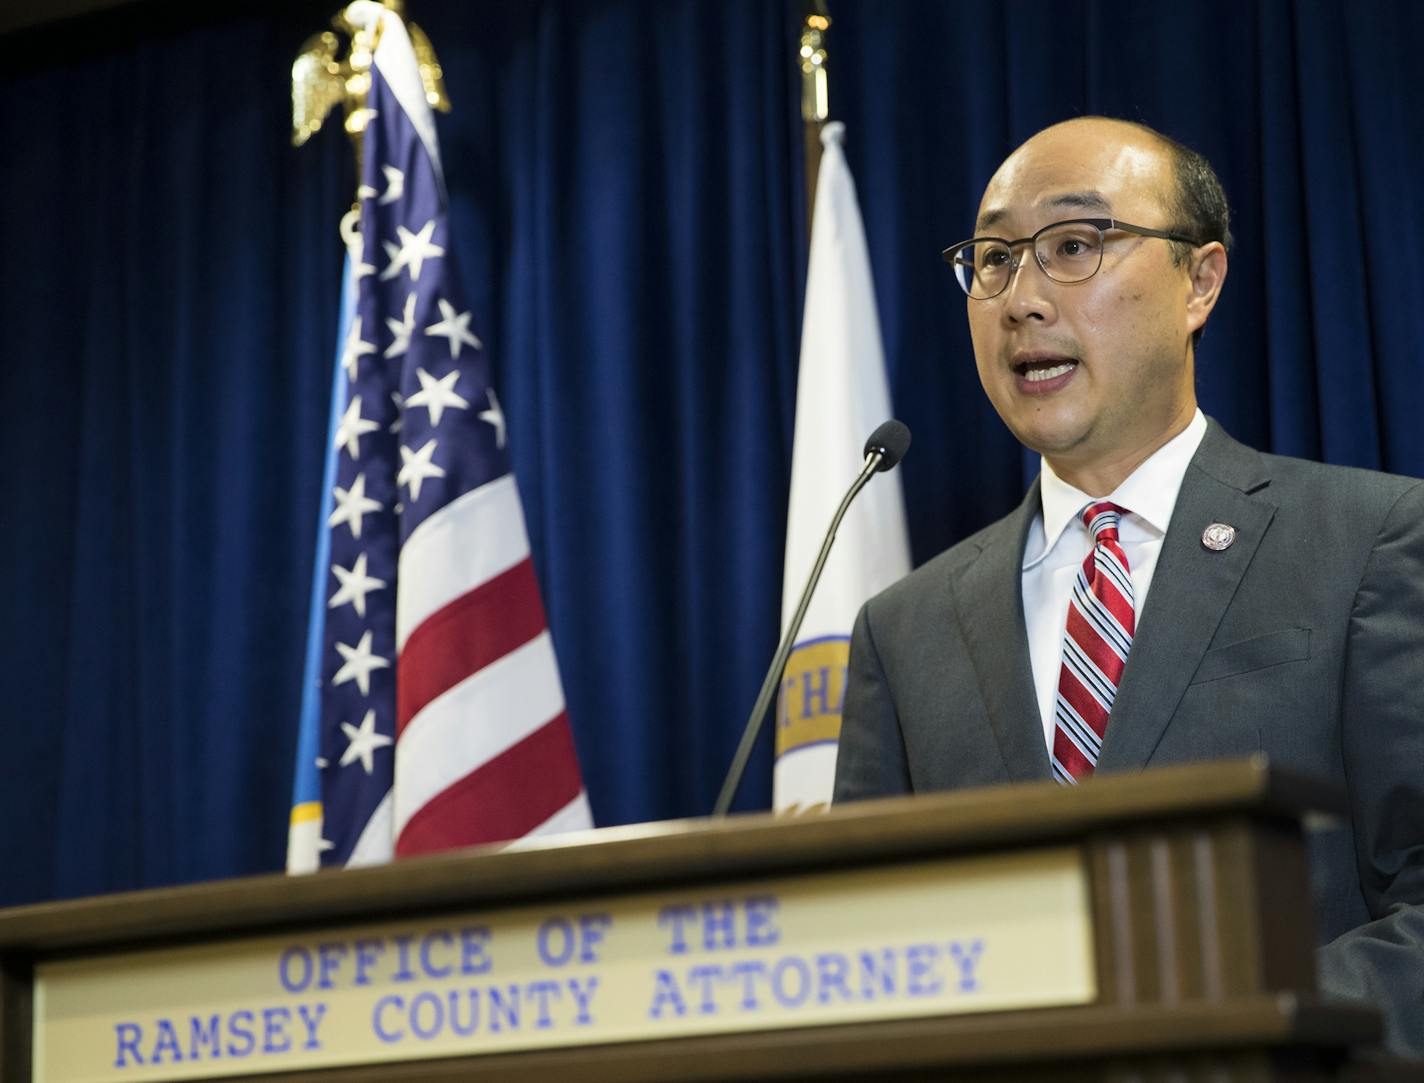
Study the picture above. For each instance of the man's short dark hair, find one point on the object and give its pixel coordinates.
(1198, 208)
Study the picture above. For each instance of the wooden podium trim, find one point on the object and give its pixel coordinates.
(1055, 1039)
(669, 853)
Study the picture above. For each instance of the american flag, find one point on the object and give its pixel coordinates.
(440, 720)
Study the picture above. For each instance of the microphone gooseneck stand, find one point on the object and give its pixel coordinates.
(873, 459)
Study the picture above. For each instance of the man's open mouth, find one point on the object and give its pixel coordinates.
(1045, 368)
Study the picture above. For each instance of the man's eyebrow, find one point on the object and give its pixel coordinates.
(1082, 201)
(1078, 201)
(988, 218)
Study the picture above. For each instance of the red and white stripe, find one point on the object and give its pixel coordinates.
(484, 752)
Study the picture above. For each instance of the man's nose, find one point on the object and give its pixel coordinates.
(1026, 296)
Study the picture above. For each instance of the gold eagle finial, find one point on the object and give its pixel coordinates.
(321, 79)
(318, 84)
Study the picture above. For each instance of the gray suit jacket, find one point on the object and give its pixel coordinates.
(1304, 639)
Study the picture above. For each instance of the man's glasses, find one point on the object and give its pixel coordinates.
(1070, 251)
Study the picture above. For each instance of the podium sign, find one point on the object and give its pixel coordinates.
(1137, 926)
(924, 938)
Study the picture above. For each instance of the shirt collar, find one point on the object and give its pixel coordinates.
(1149, 492)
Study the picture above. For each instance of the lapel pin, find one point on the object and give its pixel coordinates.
(1218, 536)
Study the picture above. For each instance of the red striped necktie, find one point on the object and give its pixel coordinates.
(1101, 621)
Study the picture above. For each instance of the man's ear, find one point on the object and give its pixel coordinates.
(1207, 273)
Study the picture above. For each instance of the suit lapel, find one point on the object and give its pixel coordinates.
(988, 596)
(1191, 589)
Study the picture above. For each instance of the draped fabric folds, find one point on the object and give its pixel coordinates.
(627, 189)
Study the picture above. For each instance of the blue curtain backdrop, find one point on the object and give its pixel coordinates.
(629, 209)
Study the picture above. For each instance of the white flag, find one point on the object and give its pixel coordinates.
(842, 395)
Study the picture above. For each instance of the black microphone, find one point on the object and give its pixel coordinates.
(886, 447)
(891, 439)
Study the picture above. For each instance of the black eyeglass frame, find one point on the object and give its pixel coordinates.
(1102, 225)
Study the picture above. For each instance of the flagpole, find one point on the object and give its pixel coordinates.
(815, 101)
(841, 389)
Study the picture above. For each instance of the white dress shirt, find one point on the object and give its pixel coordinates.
(1058, 541)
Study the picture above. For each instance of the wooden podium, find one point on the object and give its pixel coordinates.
(1165, 918)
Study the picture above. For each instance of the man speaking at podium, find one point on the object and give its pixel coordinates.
(1163, 594)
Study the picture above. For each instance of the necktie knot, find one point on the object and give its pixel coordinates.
(1101, 519)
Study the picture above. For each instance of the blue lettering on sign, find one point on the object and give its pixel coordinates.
(239, 1026)
(966, 959)
(785, 982)
(878, 973)
(923, 977)
(378, 1018)
(274, 1030)
(474, 954)
(790, 992)
(583, 997)
(677, 918)
(127, 1035)
(300, 955)
(463, 1028)
(403, 971)
(706, 976)
(495, 1009)
(912, 971)
(368, 954)
(540, 992)
(432, 970)
(724, 924)
(761, 921)
(329, 957)
(592, 929)
(666, 995)
(431, 955)
(167, 1043)
(718, 929)
(832, 968)
(555, 941)
(427, 1015)
(311, 1019)
(203, 1040)
(503, 1008)
(748, 971)
(213, 1036)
